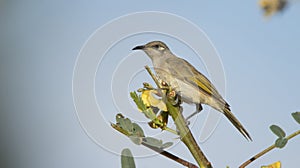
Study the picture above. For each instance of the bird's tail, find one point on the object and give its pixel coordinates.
(236, 123)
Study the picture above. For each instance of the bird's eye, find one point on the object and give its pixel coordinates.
(156, 46)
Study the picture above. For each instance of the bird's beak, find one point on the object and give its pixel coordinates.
(138, 47)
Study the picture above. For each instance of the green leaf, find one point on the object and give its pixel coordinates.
(141, 106)
(137, 134)
(277, 131)
(126, 124)
(153, 142)
(126, 127)
(166, 145)
(136, 139)
(138, 101)
(149, 114)
(119, 117)
(127, 159)
(281, 142)
(137, 130)
(296, 116)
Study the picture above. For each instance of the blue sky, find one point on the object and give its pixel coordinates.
(40, 42)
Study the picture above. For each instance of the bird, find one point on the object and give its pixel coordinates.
(192, 86)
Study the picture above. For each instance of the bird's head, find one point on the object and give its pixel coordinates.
(154, 49)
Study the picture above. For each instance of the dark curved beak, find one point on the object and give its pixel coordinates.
(138, 47)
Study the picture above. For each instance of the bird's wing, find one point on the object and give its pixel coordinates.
(183, 70)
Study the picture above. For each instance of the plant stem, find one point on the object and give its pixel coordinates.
(268, 149)
(187, 137)
(170, 130)
(153, 76)
(184, 131)
(156, 149)
(170, 156)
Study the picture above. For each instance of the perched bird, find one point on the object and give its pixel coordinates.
(192, 86)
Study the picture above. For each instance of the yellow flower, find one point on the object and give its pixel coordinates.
(274, 165)
(270, 7)
(149, 99)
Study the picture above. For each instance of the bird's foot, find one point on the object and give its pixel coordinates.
(198, 110)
